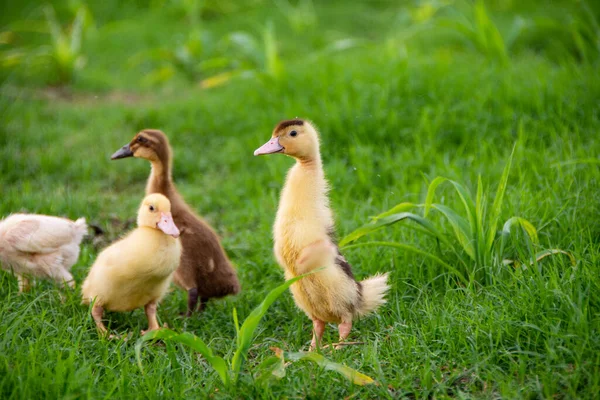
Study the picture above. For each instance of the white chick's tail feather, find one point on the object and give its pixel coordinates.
(81, 228)
(373, 293)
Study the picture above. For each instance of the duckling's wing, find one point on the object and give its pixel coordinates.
(341, 262)
(40, 235)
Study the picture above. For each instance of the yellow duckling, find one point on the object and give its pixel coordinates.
(136, 271)
(304, 238)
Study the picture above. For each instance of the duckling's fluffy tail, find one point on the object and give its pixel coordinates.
(372, 293)
(81, 228)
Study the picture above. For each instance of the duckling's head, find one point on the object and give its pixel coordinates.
(295, 137)
(150, 144)
(155, 212)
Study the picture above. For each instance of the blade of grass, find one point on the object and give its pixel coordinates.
(576, 161)
(479, 215)
(523, 223)
(543, 254)
(461, 228)
(236, 322)
(463, 193)
(189, 340)
(77, 31)
(402, 207)
(246, 331)
(391, 219)
(497, 205)
(413, 250)
(488, 33)
(356, 377)
(431, 193)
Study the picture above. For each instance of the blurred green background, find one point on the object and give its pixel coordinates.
(402, 92)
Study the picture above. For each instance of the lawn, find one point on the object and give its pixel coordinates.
(402, 93)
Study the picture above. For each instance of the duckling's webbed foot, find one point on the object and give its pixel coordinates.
(344, 329)
(318, 330)
(150, 309)
(97, 313)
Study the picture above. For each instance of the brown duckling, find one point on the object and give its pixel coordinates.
(205, 270)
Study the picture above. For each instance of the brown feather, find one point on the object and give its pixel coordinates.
(204, 263)
(286, 123)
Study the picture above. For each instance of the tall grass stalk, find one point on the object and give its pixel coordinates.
(480, 31)
(66, 49)
(475, 232)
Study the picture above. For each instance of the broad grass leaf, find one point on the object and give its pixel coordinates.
(77, 30)
(467, 200)
(53, 25)
(273, 64)
(402, 207)
(460, 227)
(349, 373)
(236, 322)
(492, 39)
(413, 250)
(479, 238)
(462, 28)
(391, 219)
(577, 161)
(159, 75)
(523, 223)
(498, 200)
(218, 79)
(190, 340)
(463, 193)
(273, 366)
(246, 331)
(431, 193)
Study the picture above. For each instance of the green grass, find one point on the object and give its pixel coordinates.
(408, 102)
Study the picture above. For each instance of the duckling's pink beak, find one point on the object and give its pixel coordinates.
(167, 225)
(272, 146)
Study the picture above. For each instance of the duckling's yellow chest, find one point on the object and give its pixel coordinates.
(296, 228)
(303, 215)
(291, 236)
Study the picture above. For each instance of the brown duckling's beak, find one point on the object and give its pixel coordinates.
(272, 146)
(123, 152)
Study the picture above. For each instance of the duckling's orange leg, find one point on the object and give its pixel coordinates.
(150, 309)
(344, 329)
(318, 330)
(97, 313)
(24, 284)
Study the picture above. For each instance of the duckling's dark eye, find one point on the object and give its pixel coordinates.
(293, 133)
(142, 139)
(151, 208)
